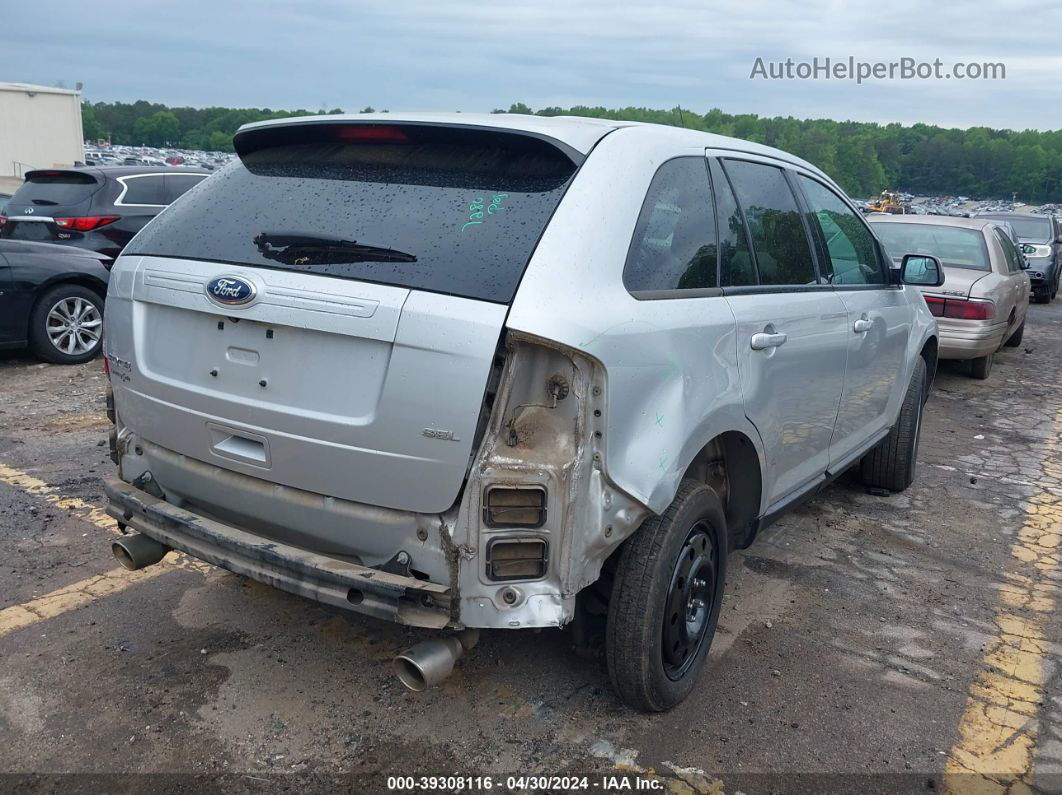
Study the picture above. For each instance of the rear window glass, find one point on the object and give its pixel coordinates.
(953, 245)
(54, 189)
(439, 209)
(1038, 230)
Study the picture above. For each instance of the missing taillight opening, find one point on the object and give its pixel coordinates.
(514, 507)
(517, 559)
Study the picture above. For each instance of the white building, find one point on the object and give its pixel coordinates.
(40, 127)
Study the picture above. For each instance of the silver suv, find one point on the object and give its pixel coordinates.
(499, 371)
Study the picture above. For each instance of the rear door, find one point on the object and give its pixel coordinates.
(45, 196)
(326, 312)
(791, 327)
(1017, 279)
(879, 320)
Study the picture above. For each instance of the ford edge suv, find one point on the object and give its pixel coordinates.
(505, 372)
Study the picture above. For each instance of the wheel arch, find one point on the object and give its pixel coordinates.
(929, 354)
(730, 463)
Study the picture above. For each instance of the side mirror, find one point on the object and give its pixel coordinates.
(921, 270)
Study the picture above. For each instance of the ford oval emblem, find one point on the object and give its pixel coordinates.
(230, 291)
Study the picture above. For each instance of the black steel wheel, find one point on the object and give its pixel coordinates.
(689, 601)
(665, 600)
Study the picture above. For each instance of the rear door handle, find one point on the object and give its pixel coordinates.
(862, 325)
(764, 340)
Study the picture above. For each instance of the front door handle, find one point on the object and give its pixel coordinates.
(764, 340)
(862, 325)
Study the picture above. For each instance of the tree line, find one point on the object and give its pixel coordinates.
(864, 157)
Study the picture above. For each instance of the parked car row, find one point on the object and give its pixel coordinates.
(981, 305)
(504, 371)
(59, 234)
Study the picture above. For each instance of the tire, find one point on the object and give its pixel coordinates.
(891, 464)
(981, 367)
(1015, 338)
(653, 601)
(73, 308)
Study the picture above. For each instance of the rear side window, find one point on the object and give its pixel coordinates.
(674, 244)
(142, 190)
(736, 268)
(443, 209)
(853, 254)
(783, 256)
(1010, 254)
(177, 185)
(53, 189)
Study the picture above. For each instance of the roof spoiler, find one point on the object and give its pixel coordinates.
(254, 138)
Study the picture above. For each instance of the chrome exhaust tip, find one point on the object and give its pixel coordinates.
(138, 551)
(431, 661)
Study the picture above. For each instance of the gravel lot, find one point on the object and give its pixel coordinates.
(899, 638)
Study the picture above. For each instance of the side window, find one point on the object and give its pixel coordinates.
(853, 257)
(143, 190)
(783, 255)
(1010, 254)
(735, 258)
(674, 245)
(179, 184)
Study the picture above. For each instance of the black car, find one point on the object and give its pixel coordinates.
(51, 299)
(98, 208)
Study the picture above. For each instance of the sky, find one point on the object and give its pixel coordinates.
(477, 56)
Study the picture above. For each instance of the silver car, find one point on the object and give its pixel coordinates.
(982, 304)
(502, 371)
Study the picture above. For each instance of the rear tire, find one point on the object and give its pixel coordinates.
(981, 367)
(891, 464)
(666, 599)
(66, 325)
(1015, 338)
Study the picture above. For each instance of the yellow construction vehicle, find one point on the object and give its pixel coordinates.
(888, 202)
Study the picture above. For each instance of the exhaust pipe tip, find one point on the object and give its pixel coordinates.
(431, 661)
(138, 551)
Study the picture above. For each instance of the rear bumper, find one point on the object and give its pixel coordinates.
(970, 341)
(405, 600)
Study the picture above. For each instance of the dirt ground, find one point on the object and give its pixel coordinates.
(908, 643)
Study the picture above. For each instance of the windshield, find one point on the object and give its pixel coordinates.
(458, 214)
(953, 245)
(1036, 230)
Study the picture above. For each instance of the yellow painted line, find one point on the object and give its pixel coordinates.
(78, 594)
(73, 596)
(38, 488)
(998, 731)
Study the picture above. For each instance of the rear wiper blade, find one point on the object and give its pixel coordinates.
(298, 248)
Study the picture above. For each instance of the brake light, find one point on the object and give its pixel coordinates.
(371, 132)
(960, 308)
(86, 223)
(936, 305)
(3, 220)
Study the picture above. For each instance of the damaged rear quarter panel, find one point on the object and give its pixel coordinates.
(670, 365)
